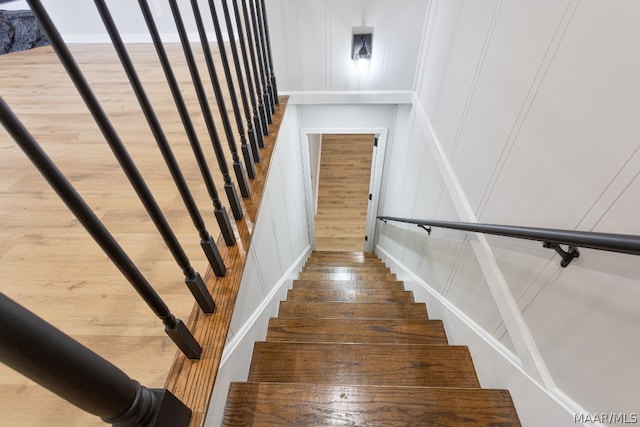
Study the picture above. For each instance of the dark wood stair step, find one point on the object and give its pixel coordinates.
(346, 269)
(344, 263)
(363, 364)
(349, 295)
(285, 404)
(390, 331)
(349, 284)
(364, 275)
(346, 310)
(336, 255)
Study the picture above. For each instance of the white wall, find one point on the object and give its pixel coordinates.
(535, 107)
(15, 5)
(279, 247)
(312, 43)
(79, 22)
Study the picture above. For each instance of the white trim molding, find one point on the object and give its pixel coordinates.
(351, 97)
(497, 366)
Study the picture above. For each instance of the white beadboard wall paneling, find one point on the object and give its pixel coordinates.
(496, 365)
(465, 59)
(312, 39)
(511, 315)
(520, 40)
(299, 41)
(442, 26)
(545, 137)
(78, 20)
(586, 322)
(580, 124)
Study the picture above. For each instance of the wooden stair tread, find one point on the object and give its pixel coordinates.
(396, 331)
(285, 404)
(345, 310)
(346, 268)
(348, 295)
(351, 347)
(344, 263)
(365, 275)
(349, 284)
(363, 364)
(342, 255)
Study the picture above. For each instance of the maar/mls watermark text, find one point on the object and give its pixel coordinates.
(607, 418)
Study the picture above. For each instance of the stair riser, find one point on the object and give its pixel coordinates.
(383, 331)
(349, 285)
(319, 295)
(353, 310)
(379, 277)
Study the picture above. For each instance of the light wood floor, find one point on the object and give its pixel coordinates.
(48, 262)
(343, 189)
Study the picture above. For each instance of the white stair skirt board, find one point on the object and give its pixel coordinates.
(236, 357)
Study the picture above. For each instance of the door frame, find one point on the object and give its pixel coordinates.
(375, 179)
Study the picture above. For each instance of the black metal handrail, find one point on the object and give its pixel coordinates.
(551, 238)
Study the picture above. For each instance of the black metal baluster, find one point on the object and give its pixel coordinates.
(243, 92)
(206, 241)
(230, 189)
(62, 365)
(266, 92)
(254, 59)
(226, 124)
(245, 59)
(265, 53)
(175, 328)
(246, 149)
(218, 209)
(274, 86)
(192, 278)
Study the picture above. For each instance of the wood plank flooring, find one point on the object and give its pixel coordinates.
(48, 262)
(322, 364)
(345, 170)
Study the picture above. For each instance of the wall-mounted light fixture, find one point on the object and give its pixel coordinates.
(361, 48)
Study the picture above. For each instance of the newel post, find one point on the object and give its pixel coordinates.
(65, 367)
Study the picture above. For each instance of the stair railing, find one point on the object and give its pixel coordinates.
(192, 278)
(246, 150)
(257, 118)
(175, 328)
(551, 238)
(265, 111)
(218, 209)
(260, 55)
(251, 131)
(48, 356)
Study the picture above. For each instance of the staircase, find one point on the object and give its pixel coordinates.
(351, 347)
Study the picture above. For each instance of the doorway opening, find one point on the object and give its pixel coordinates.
(341, 189)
